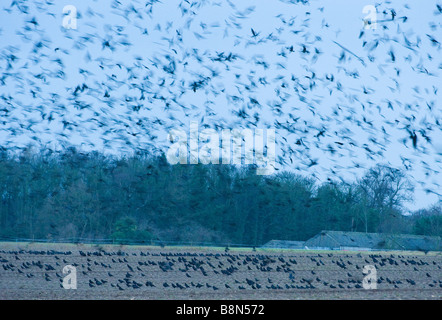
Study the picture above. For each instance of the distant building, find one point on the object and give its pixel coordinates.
(360, 241)
(342, 240)
(284, 244)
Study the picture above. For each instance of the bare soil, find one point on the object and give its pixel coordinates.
(35, 271)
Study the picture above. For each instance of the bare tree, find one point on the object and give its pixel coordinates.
(385, 189)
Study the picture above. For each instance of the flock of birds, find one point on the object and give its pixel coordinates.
(133, 71)
(159, 270)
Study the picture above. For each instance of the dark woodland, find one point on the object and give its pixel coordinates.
(74, 195)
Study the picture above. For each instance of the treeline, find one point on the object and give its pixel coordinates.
(75, 195)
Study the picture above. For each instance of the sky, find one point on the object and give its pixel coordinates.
(340, 97)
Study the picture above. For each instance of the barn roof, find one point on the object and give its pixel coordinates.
(336, 239)
(415, 242)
